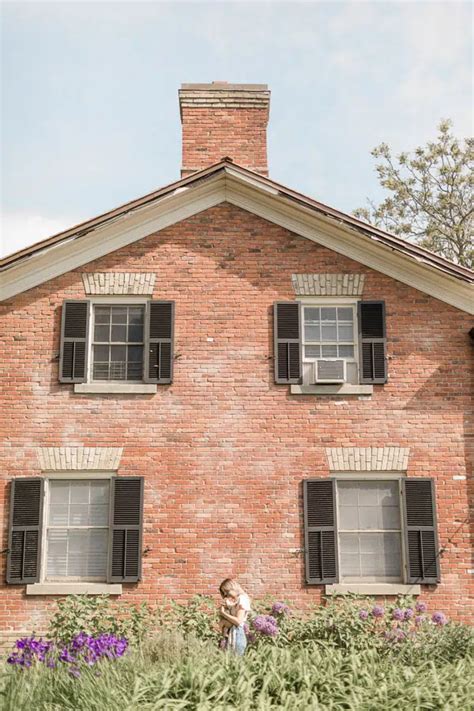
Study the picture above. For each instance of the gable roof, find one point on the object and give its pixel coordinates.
(228, 182)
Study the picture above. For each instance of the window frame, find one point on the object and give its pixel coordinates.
(363, 478)
(119, 300)
(331, 302)
(71, 476)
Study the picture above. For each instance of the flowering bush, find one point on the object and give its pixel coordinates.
(83, 649)
(279, 608)
(266, 625)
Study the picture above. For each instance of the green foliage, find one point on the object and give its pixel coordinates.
(197, 617)
(430, 195)
(313, 677)
(97, 615)
(338, 657)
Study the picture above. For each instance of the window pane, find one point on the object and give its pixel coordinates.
(57, 553)
(311, 314)
(118, 353)
(328, 314)
(101, 333)
(87, 503)
(79, 515)
(329, 351)
(312, 351)
(370, 555)
(135, 315)
(79, 492)
(59, 492)
(135, 333)
(119, 333)
(99, 492)
(365, 505)
(311, 333)
(346, 351)
(345, 333)
(101, 354)
(102, 314)
(76, 553)
(119, 314)
(344, 314)
(328, 333)
(100, 371)
(58, 514)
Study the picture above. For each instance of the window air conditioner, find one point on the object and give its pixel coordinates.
(330, 371)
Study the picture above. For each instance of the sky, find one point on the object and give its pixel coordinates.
(90, 116)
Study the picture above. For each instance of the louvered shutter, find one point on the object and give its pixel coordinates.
(159, 336)
(372, 342)
(73, 353)
(320, 531)
(287, 337)
(421, 536)
(126, 521)
(24, 540)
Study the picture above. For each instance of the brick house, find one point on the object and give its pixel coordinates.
(226, 377)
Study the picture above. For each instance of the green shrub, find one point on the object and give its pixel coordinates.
(98, 615)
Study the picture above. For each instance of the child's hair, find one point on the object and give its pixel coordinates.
(229, 584)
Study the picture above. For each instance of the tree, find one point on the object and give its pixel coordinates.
(431, 195)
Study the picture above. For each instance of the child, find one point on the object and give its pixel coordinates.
(225, 625)
(234, 611)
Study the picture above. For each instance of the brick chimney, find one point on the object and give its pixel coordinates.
(224, 120)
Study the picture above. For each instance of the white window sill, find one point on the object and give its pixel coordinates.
(373, 589)
(116, 388)
(74, 589)
(342, 389)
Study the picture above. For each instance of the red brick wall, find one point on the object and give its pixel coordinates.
(223, 449)
(210, 134)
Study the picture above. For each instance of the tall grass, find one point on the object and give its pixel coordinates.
(171, 672)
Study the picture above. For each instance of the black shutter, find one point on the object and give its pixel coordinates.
(126, 520)
(287, 338)
(24, 539)
(372, 342)
(158, 362)
(320, 531)
(421, 536)
(73, 352)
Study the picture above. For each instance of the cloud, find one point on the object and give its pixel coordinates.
(21, 229)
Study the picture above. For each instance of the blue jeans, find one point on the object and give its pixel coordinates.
(237, 640)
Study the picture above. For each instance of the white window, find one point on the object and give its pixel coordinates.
(369, 531)
(328, 332)
(117, 342)
(77, 529)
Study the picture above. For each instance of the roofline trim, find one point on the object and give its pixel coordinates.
(258, 181)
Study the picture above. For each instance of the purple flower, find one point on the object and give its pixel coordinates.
(266, 625)
(398, 614)
(363, 615)
(408, 613)
(378, 611)
(421, 606)
(279, 608)
(439, 618)
(75, 671)
(82, 649)
(419, 619)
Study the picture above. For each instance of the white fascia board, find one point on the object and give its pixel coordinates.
(352, 244)
(123, 230)
(256, 198)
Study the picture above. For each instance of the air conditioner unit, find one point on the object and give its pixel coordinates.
(329, 371)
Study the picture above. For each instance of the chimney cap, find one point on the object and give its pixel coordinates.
(224, 86)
